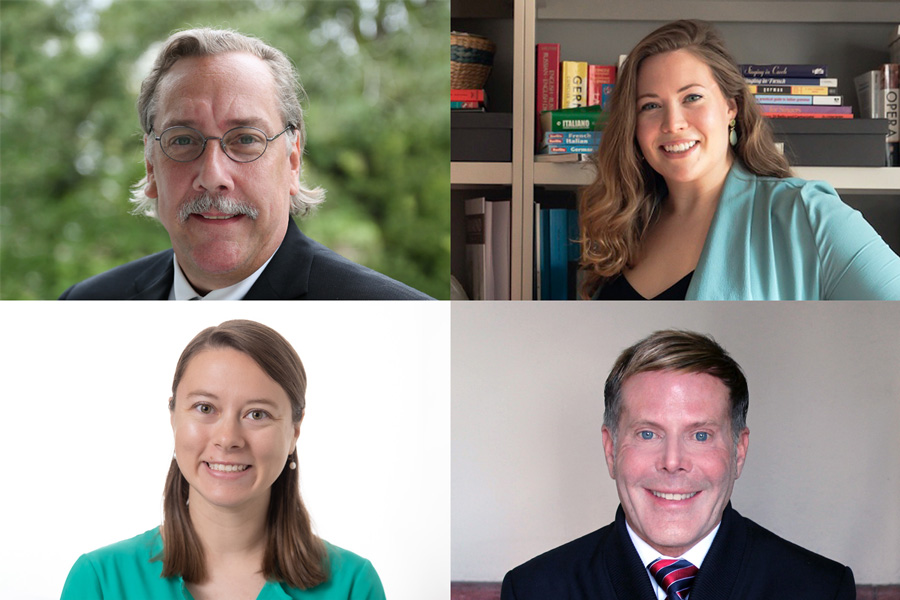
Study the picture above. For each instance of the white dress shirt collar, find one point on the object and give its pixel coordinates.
(695, 555)
(183, 290)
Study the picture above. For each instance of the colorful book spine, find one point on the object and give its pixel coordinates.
(577, 137)
(784, 70)
(868, 88)
(574, 119)
(890, 105)
(789, 110)
(598, 76)
(568, 149)
(574, 84)
(559, 253)
(804, 90)
(465, 105)
(823, 81)
(466, 95)
(801, 100)
(546, 82)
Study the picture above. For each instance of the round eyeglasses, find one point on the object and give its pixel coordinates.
(241, 144)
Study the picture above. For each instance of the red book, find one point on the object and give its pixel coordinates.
(466, 95)
(546, 83)
(597, 76)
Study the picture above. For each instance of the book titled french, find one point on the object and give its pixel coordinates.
(784, 70)
(546, 81)
(574, 137)
(798, 100)
(574, 84)
(818, 81)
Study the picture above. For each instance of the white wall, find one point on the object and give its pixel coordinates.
(86, 440)
(823, 469)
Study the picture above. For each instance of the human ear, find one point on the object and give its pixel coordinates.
(609, 450)
(296, 163)
(742, 446)
(150, 189)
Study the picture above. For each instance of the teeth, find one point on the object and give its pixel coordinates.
(674, 496)
(217, 218)
(227, 468)
(682, 147)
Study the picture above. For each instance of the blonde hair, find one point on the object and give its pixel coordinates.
(618, 207)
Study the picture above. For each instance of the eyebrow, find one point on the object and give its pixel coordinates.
(709, 424)
(205, 394)
(687, 87)
(257, 122)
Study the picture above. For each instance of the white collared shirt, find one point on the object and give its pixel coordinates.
(695, 555)
(183, 290)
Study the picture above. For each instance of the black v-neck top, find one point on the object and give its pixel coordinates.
(620, 289)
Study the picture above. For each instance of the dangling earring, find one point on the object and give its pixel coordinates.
(292, 465)
(732, 132)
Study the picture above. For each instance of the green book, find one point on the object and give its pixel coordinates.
(586, 118)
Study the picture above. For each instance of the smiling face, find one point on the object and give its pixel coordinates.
(674, 460)
(233, 429)
(682, 121)
(214, 94)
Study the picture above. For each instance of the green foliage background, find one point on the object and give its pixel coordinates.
(376, 73)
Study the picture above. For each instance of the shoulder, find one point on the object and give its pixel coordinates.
(119, 283)
(792, 567)
(351, 577)
(555, 569)
(334, 277)
(123, 563)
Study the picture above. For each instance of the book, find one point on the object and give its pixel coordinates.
(598, 77)
(784, 70)
(806, 90)
(568, 148)
(467, 95)
(573, 137)
(556, 250)
(589, 118)
(488, 249)
(790, 109)
(546, 77)
(573, 84)
(868, 86)
(797, 99)
(466, 105)
(889, 103)
(818, 81)
(562, 158)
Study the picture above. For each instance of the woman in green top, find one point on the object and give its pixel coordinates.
(234, 523)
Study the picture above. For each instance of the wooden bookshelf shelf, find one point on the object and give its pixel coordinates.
(479, 173)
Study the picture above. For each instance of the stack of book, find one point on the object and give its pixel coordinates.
(798, 91)
(564, 85)
(467, 100)
(557, 252)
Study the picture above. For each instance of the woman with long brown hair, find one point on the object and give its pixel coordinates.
(234, 524)
(693, 201)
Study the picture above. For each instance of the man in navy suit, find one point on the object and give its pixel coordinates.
(675, 439)
(223, 147)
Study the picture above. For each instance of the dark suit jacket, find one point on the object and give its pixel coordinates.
(302, 269)
(745, 561)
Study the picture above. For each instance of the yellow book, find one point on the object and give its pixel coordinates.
(574, 84)
(796, 90)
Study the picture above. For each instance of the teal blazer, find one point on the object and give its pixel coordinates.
(126, 570)
(790, 239)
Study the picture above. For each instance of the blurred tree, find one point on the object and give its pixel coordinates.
(376, 77)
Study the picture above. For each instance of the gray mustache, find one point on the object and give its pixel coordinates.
(222, 204)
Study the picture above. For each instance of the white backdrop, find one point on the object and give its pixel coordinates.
(823, 468)
(86, 440)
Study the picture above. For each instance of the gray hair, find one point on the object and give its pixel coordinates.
(684, 352)
(211, 42)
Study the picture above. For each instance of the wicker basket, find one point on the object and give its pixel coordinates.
(471, 57)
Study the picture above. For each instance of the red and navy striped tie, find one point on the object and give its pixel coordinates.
(674, 576)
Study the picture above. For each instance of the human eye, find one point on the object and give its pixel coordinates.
(258, 415)
(646, 435)
(648, 106)
(203, 408)
(693, 97)
(701, 436)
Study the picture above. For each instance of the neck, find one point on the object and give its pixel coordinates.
(225, 533)
(698, 198)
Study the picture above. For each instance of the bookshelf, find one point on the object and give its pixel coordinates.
(850, 36)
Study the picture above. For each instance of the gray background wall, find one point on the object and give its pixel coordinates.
(527, 469)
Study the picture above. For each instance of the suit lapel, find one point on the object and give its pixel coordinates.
(156, 281)
(287, 275)
(721, 568)
(623, 565)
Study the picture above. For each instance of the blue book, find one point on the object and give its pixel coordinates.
(559, 253)
(544, 214)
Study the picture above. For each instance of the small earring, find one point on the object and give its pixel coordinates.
(732, 132)
(293, 466)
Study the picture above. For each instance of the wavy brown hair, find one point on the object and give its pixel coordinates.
(622, 202)
(294, 554)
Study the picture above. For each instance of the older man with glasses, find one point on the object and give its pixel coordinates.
(225, 189)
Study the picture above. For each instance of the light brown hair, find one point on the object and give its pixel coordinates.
(683, 352)
(294, 554)
(212, 42)
(619, 206)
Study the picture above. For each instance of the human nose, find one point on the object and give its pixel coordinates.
(214, 173)
(674, 458)
(673, 119)
(228, 434)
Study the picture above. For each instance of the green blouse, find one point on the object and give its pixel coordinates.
(125, 571)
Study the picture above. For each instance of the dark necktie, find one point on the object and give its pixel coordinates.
(674, 576)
